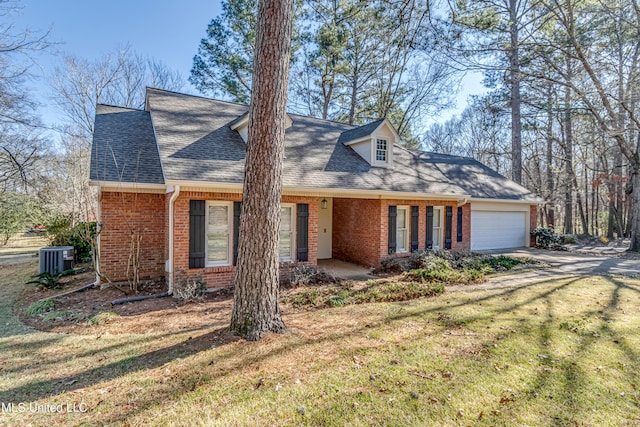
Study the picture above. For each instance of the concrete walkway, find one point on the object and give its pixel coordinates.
(345, 270)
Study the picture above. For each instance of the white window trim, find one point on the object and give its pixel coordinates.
(229, 259)
(407, 228)
(386, 150)
(440, 229)
(294, 229)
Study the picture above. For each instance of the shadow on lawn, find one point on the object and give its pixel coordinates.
(42, 389)
(185, 382)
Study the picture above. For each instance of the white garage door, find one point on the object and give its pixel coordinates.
(497, 230)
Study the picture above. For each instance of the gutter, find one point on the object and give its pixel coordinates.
(170, 268)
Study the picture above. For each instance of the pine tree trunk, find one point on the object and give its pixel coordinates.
(256, 310)
(635, 208)
(568, 156)
(514, 77)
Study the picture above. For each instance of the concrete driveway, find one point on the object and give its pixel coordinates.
(563, 264)
(581, 263)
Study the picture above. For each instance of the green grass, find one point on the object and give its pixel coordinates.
(61, 315)
(554, 353)
(40, 307)
(102, 318)
(344, 294)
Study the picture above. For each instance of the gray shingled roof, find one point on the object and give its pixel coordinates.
(196, 144)
(124, 148)
(359, 132)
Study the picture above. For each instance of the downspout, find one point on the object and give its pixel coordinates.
(174, 196)
(463, 201)
(98, 227)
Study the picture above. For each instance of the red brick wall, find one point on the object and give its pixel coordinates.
(217, 277)
(120, 214)
(465, 245)
(357, 230)
(533, 223)
(360, 228)
(422, 218)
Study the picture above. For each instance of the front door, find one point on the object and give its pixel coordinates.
(325, 222)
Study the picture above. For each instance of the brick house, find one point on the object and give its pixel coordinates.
(173, 172)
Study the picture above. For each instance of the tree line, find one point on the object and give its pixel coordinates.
(560, 115)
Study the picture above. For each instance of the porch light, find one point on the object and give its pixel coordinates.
(324, 204)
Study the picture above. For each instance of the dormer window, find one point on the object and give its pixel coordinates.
(381, 150)
(373, 142)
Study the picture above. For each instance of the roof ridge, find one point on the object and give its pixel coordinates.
(413, 150)
(245, 105)
(195, 96)
(101, 104)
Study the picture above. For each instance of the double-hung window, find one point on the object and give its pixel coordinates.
(287, 227)
(437, 227)
(382, 147)
(402, 229)
(219, 233)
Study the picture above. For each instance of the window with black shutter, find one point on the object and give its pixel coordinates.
(393, 212)
(429, 243)
(447, 227)
(303, 232)
(459, 236)
(237, 208)
(197, 211)
(415, 212)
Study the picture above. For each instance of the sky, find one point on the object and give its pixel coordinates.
(166, 30)
(169, 31)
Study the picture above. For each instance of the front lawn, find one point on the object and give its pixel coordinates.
(560, 352)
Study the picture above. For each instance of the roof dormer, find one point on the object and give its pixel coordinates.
(373, 142)
(241, 125)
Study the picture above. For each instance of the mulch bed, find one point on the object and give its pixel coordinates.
(157, 314)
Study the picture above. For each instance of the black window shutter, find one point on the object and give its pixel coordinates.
(429, 227)
(237, 207)
(393, 214)
(197, 233)
(415, 212)
(459, 237)
(447, 227)
(303, 232)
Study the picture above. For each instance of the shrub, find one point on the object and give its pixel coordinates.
(40, 307)
(396, 291)
(502, 261)
(102, 318)
(188, 288)
(545, 237)
(339, 299)
(48, 280)
(303, 274)
(567, 239)
(61, 232)
(307, 297)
